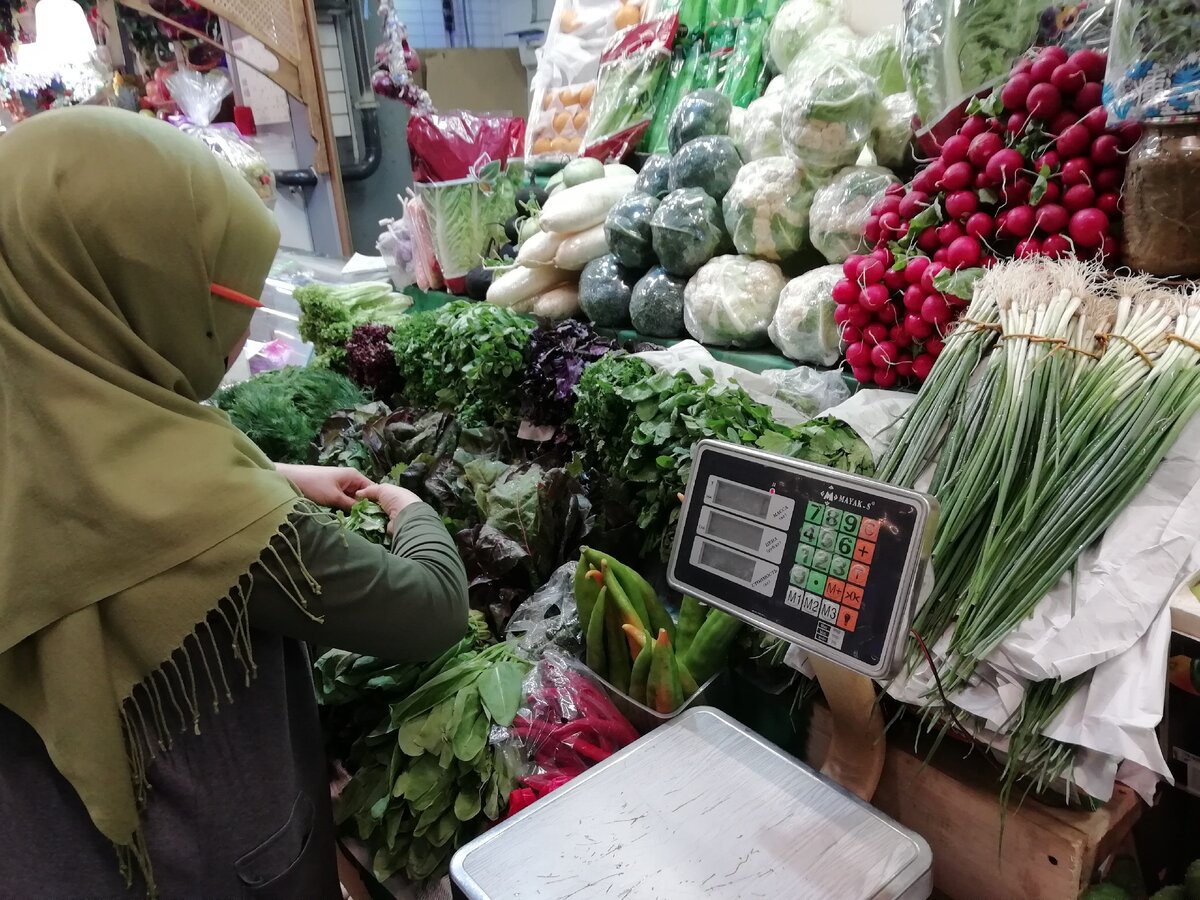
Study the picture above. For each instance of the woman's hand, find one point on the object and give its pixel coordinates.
(394, 500)
(335, 488)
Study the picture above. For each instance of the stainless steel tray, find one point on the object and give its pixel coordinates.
(699, 808)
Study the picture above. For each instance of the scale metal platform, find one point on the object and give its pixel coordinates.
(701, 807)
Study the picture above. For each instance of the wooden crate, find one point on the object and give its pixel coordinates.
(1046, 854)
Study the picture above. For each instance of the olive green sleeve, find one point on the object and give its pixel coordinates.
(407, 605)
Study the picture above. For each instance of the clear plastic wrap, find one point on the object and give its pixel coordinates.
(879, 56)
(840, 210)
(656, 307)
(605, 290)
(680, 78)
(827, 118)
(892, 131)
(397, 64)
(1154, 60)
(730, 302)
(200, 96)
(836, 43)
(693, 14)
(807, 390)
(709, 163)
(566, 725)
(627, 230)
(698, 114)
(803, 327)
(686, 231)
(796, 24)
(655, 177)
(762, 133)
(630, 71)
(560, 121)
(743, 71)
(766, 210)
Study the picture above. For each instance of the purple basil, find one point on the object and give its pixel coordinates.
(558, 354)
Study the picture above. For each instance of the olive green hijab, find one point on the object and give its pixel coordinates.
(130, 512)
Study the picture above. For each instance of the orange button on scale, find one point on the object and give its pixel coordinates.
(864, 552)
(834, 589)
(859, 573)
(847, 618)
(869, 530)
(852, 596)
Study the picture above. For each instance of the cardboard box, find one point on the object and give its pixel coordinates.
(482, 81)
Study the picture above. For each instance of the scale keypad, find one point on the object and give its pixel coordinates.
(833, 566)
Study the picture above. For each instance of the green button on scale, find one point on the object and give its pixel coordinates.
(844, 545)
(804, 554)
(821, 560)
(809, 533)
(814, 513)
(849, 523)
(827, 539)
(815, 583)
(840, 567)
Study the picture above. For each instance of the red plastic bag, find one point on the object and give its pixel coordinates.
(450, 146)
(567, 725)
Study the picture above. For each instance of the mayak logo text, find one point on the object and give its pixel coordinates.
(853, 502)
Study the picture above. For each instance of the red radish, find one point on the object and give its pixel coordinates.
(884, 255)
(1056, 245)
(1013, 94)
(1052, 193)
(922, 366)
(973, 126)
(870, 270)
(889, 222)
(845, 292)
(1093, 63)
(886, 378)
(851, 265)
(850, 334)
(1044, 101)
(904, 368)
(858, 355)
(841, 314)
(1109, 204)
(1077, 171)
(894, 190)
(928, 241)
(1129, 134)
(1068, 77)
(1062, 122)
(915, 268)
(1090, 96)
(1109, 248)
(995, 125)
(1028, 247)
(863, 375)
(894, 281)
(1078, 196)
(964, 253)
(1096, 121)
(1017, 193)
(983, 147)
(935, 310)
(1016, 122)
(934, 347)
(1049, 159)
(949, 232)
(1106, 150)
(983, 181)
(955, 149)
(1020, 221)
(890, 203)
(873, 297)
(927, 179)
(960, 204)
(1021, 68)
(871, 230)
(912, 203)
(874, 333)
(934, 269)
(957, 177)
(916, 326)
(1004, 165)
(914, 296)
(1051, 218)
(860, 317)
(1089, 227)
(1074, 141)
(940, 255)
(902, 231)
(1047, 60)
(1110, 179)
(980, 225)
(988, 261)
(884, 354)
(889, 314)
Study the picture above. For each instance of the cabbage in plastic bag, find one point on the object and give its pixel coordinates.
(655, 177)
(841, 208)
(708, 163)
(762, 133)
(657, 304)
(700, 113)
(803, 327)
(827, 118)
(605, 289)
(808, 391)
(892, 130)
(879, 56)
(795, 25)
(686, 231)
(838, 43)
(627, 230)
(766, 210)
(731, 300)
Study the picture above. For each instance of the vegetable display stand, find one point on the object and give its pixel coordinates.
(1047, 853)
(424, 301)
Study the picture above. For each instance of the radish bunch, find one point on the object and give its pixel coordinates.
(1034, 169)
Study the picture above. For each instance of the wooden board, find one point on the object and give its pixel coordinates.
(1046, 853)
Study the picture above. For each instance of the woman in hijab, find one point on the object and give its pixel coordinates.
(158, 576)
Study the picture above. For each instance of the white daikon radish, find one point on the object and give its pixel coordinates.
(558, 303)
(522, 283)
(539, 250)
(580, 249)
(617, 170)
(584, 206)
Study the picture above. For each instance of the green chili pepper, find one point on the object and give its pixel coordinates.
(691, 616)
(686, 681)
(616, 646)
(641, 665)
(596, 657)
(710, 648)
(642, 595)
(587, 589)
(619, 600)
(628, 579)
(663, 691)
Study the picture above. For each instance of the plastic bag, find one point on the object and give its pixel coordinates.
(837, 43)
(840, 210)
(766, 210)
(627, 229)
(655, 178)
(273, 355)
(656, 307)
(1154, 61)
(762, 133)
(566, 725)
(631, 68)
(200, 96)
(808, 391)
(686, 231)
(795, 26)
(701, 113)
(827, 118)
(708, 163)
(693, 14)
(745, 67)
(681, 77)
(560, 121)
(803, 327)
(397, 63)
(719, 40)
(878, 55)
(892, 131)
(605, 290)
(731, 300)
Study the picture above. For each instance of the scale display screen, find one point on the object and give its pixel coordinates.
(823, 559)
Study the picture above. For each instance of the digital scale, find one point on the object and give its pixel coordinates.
(701, 807)
(820, 558)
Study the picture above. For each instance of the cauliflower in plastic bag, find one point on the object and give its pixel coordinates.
(766, 210)
(686, 231)
(656, 308)
(803, 327)
(710, 163)
(627, 230)
(841, 208)
(795, 25)
(762, 133)
(827, 118)
(879, 56)
(731, 300)
(838, 44)
(892, 130)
